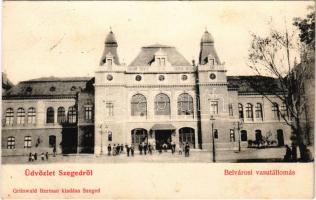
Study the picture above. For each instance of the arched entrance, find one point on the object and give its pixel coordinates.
(280, 137)
(139, 135)
(186, 135)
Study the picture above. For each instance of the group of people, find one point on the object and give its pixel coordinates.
(147, 148)
(291, 154)
(33, 157)
(117, 149)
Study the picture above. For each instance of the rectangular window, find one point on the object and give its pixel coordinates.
(88, 113)
(27, 142)
(214, 107)
(109, 61)
(163, 61)
(110, 136)
(109, 109)
(11, 142)
(232, 135)
(230, 109)
(215, 133)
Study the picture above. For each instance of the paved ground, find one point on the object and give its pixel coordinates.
(248, 155)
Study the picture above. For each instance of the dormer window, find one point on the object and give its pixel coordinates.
(109, 59)
(160, 58)
(109, 62)
(211, 60)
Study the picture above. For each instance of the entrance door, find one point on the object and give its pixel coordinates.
(280, 137)
(163, 136)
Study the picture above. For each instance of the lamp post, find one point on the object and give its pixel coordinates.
(101, 132)
(212, 119)
(239, 125)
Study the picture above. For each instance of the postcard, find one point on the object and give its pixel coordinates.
(158, 100)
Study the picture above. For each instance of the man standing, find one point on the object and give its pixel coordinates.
(109, 149)
(132, 150)
(127, 150)
(54, 151)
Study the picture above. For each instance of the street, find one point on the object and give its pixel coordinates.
(196, 156)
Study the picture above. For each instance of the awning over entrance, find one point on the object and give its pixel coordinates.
(163, 127)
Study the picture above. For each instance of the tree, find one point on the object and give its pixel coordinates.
(277, 55)
(307, 28)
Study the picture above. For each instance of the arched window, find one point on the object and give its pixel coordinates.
(241, 111)
(186, 135)
(185, 104)
(50, 115)
(72, 115)
(138, 105)
(162, 104)
(259, 111)
(249, 111)
(27, 142)
(61, 115)
(52, 141)
(31, 115)
(9, 116)
(11, 142)
(21, 116)
(243, 135)
(139, 136)
(276, 111)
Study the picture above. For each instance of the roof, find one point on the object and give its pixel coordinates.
(110, 38)
(207, 38)
(6, 83)
(147, 53)
(48, 87)
(253, 84)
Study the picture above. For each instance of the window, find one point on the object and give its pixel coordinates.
(215, 133)
(50, 115)
(241, 111)
(52, 141)
(72, 115)
(284, 110)
(61, 115)
(276, 111)
(9, 116)
(161, 77)
(27, 142)
(88, 113)
(110, 136)
(243, 135)
(162, 104)
(259, 111)
(138, 105)
(11, 142)
(109, 62)
(214, 107)
(109, 107)
(185, 104)
(109, 77)
(31, 115)
(232, 135)
(20, 116)
(138, 78)
(230, 109)
(249, 111)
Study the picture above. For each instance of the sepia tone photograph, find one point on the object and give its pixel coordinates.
(158, 82)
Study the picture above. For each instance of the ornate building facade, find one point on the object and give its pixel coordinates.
(158, 98)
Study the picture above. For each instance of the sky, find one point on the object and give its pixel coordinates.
(66, 38)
